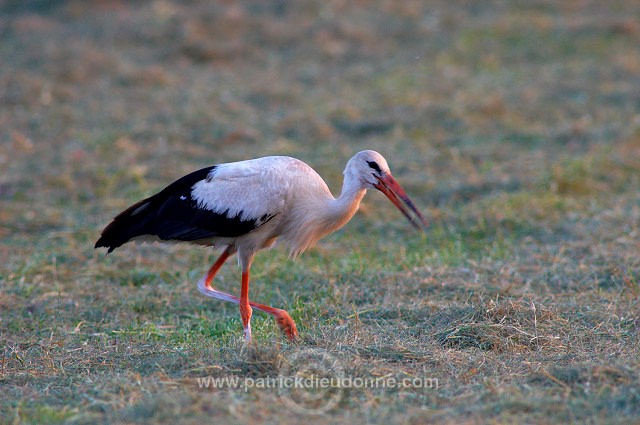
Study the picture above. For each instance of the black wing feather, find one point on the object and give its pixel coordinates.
(172, 214)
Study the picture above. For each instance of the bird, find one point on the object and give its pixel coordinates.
(247, 206)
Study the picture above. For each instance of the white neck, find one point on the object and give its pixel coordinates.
(345, 206)
(330, 215)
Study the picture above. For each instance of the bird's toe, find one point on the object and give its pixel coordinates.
(288, 326)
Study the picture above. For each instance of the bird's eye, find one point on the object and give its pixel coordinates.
(374, 165)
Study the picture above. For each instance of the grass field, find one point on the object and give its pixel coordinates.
(515, 126)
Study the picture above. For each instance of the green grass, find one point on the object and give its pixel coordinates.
(514, 127)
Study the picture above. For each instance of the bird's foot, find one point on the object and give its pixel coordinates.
(286, 324)
(247, 334)
(246, 312)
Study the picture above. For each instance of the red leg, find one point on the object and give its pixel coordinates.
(285, 322)
(245, 307)
(213, 271)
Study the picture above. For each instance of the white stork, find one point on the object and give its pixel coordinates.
(245, 206)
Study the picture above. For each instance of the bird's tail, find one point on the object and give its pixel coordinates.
(125, 226)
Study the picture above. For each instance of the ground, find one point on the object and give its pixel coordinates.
(515, 126)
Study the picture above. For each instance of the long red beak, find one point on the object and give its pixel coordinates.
(396, 194)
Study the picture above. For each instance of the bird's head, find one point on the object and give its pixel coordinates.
(371, 170)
